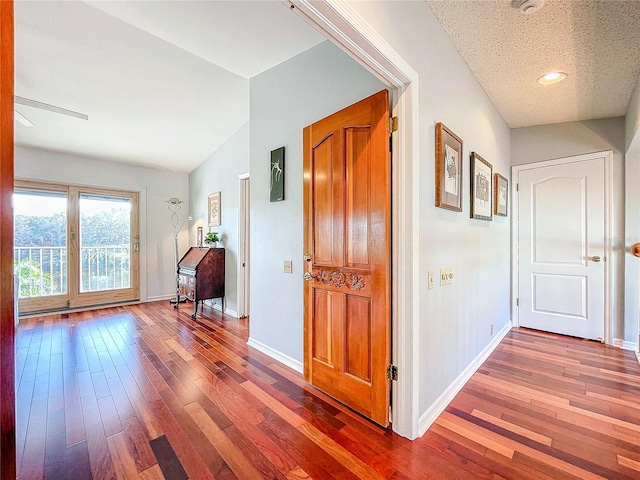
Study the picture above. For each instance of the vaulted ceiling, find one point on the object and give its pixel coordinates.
(166, 83)
(163, 83)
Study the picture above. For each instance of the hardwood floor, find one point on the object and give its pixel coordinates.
(147, 392)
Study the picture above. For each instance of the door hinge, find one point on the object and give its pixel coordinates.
(517, 187)
(517, 302)
(392, 126)
(392, 372)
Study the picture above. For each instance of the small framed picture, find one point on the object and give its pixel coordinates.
(501, 196)
(448, 169)
(481, 188)
(277, 175)
(215, 209)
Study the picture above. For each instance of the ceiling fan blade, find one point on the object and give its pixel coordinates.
(22, 119)
(52, 108)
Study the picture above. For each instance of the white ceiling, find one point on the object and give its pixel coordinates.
(597, 43)
(166, 83)
(163, 83)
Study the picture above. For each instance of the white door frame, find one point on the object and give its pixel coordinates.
(343, 26)
(610, 256)
(243, 247)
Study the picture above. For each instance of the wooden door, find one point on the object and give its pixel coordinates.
(561, 240)
(7, 331)
(347, 206)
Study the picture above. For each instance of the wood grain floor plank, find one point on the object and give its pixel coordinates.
(99, 455)
(126, 392)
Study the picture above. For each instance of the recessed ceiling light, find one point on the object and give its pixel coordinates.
(552, 77)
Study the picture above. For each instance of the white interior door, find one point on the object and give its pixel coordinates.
(561, 248)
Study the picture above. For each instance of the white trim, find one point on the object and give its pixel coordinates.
(218, 307)
(156, 298)
(242, 285)
(625, 345)
(610, 254)
(276, 355)
(445, 398)
(337, 20)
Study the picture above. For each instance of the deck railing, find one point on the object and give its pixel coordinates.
(42, 271)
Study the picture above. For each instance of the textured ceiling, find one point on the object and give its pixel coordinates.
(597, 43)
(163, 83)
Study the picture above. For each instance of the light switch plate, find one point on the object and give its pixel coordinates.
(288, 266)
(446, 276)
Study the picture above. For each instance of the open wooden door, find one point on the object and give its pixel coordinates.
(347, 204)
(7, 329)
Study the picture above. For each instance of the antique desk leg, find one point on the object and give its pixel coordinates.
(195, 309)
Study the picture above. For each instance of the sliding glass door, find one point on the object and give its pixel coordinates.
(75, 246)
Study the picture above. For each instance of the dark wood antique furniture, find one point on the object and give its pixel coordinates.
(201, 275)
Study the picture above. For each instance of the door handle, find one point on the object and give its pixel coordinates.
(307, 276)
(595, 258)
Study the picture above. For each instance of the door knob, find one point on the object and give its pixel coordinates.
(307, 276)
(595, 258)
(306, 257)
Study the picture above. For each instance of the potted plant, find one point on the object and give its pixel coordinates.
(211, 239)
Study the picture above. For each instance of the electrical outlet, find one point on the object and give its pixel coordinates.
(446, 276)
(430, 279)
(288, 266)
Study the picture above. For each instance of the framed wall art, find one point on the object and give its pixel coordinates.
(277, 175)
(481, 188)
(448, 169)
(199, 237)
(215, 209)
(500, 196)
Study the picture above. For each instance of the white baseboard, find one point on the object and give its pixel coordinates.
(218, 307)
(159, 297)
(432, 413)
(276, 355)
(625, 345)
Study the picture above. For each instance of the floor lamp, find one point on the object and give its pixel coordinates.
(174, 206)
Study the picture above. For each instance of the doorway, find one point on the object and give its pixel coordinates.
(74, 246)
(244, 203)
(562, 246)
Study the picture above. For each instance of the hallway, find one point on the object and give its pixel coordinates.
(146, 392)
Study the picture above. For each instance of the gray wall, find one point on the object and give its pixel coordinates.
(546, 142)
(632, 213)
(632, 127)
(283, 101)
(455, 320)
(219, 173)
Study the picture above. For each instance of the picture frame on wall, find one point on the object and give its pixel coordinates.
(501, 196)
(481, 188)
(448, 169)
(215, 209)
(277, 175)
(199, 237)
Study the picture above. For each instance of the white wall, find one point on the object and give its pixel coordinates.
(546, 142)
(219, 173)
(157, 268)
(454, 320)
(283, 101)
